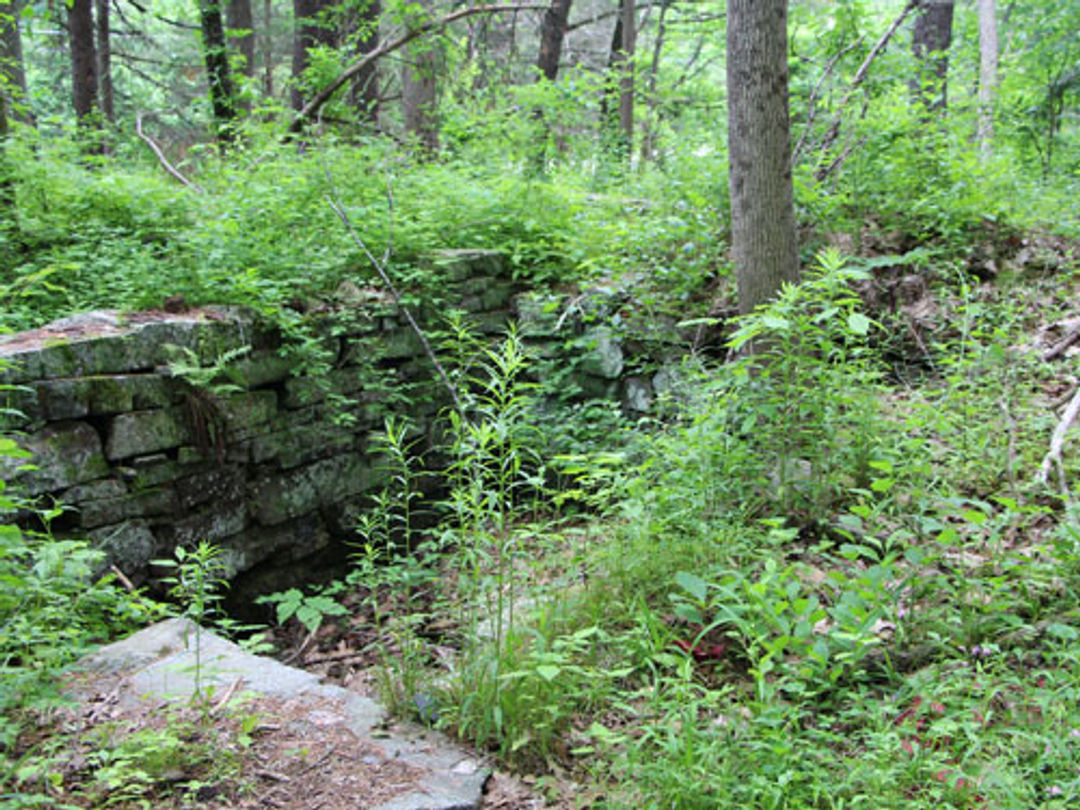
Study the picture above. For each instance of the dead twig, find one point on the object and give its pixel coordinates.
(1061, 400)
(1059, 348)
(226, 697)
(164, 161)
(319, 99)
(860, 76)
(1057, 442)
(811, 104)
(128, 586)
(326, 755)
(338, 208)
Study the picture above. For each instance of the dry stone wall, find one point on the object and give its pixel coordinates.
(274, 468)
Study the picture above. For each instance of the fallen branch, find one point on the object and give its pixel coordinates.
(1057, 442)
(811, 103)
(225, 698)
(324, 95)
(338, 207)
(860, 77)
(164, 161)
(1059, 348)
(127, 583)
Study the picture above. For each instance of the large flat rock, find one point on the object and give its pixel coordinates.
(159, 663)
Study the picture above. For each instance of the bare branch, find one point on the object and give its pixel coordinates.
(811, 104)
(164, 161)
(1057, 442)
(324, 95)
(860, 77)
(338, 207)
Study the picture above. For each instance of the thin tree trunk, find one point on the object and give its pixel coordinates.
(612, 110)
(104, 59)
(648, 137)
(216, 56)
(8, 211)
(988, 67)
(84, 78)
(419, 94)
(12, 73)
(365, 84)
(239, 17)
(552, 33)
(763, 240)
(930, 44)
(626, 80)
(268, 48)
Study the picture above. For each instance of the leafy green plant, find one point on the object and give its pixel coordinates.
(196, 583)
(310, 609)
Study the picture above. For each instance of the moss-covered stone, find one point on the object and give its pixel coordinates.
(63, 454)
(149, 503)
(277, 497)
(141, 432)
(124, 392)
(248, 414)
(214, 524)
(461, 264)
(129, 546)
(302, 444)
(604, 356)
(262, 368)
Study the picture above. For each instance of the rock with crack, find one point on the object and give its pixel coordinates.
(159, 663)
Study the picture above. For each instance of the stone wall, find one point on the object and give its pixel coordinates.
(273, 466)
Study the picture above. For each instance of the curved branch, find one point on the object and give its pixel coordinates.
(164, 161)
(324, 95)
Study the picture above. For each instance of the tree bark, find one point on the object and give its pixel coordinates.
(104, 59)
(365, 84)
(239, 17)
(988, 68)
(12, 73)
(626, 81)
(648, 137)
(930, 44)
(84, 77)
(268, 48)
(763, 240)
(7, 184)
(552, 34)
(419, 92)
(309, 31)
(216, 56)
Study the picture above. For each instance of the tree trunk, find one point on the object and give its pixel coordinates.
(309, 30)
(763, 241)
(268, 48)
(552, 33)
(930, 45)
(988, 67)
(621, 80)
(216, 56)
(626, 80)
(419, 92)
(648, 138)
(7, 184)
(84, 77)
(239, 18)
(12, 74)
(365, 84)
(104, 59)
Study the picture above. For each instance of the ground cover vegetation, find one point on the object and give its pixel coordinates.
(835, 566)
